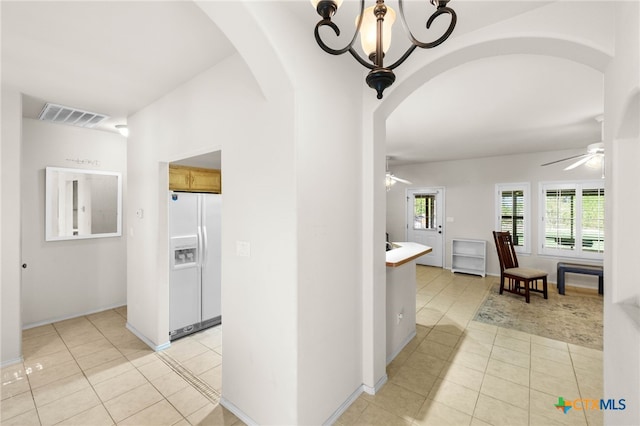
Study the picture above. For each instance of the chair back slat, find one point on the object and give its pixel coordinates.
(506, 250)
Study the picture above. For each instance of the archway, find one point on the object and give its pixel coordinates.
(461, 51)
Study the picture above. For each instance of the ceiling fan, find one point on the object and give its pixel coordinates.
(594, 157)
(391, 179)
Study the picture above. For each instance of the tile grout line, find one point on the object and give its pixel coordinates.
(148, 381)
(75, 359)
(201, 386)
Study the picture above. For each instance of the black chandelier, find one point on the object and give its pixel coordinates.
(375, 35)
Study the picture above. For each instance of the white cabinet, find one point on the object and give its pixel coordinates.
(469, 256)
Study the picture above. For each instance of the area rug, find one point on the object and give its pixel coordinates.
(573, 318)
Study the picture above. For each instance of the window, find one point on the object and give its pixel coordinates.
(573, 219)
(512, 214)
(424, 211)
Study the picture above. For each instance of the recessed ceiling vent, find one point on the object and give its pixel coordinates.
(67, 115)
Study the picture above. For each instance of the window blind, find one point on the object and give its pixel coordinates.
(512, 215)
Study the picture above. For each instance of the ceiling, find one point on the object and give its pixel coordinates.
(108, 57)
(115, 58)
(510, 104)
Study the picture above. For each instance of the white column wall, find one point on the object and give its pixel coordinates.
(374, 360)
(622, 148)
(328, 235)
(10, 248)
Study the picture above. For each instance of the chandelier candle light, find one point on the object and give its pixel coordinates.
(374, 25)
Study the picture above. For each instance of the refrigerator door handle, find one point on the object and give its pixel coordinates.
(205, 251)
(200, 256)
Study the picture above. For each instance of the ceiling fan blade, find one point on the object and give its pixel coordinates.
(400, 179)
(564, 159)
(579, 162)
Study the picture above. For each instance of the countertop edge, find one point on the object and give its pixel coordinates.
(421, 250)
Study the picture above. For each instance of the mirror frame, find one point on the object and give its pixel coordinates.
(50, 193)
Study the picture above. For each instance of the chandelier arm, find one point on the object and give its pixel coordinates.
(327, 22)
(403, 57)
(358, 58)
(440, 11)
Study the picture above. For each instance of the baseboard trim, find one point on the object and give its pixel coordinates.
(373, 390)
(147, 341)
(237, 412)
(400, 347)
(68, 317)
(11, 362)
(333, 419)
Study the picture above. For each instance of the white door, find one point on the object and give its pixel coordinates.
(425, 209)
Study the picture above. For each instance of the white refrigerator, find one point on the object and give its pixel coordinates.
(195, 262)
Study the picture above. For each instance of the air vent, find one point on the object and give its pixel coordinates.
(67, 115)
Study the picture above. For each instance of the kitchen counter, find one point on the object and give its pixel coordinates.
(401, 295)
(405, 252)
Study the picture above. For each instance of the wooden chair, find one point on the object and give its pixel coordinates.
(518, 279)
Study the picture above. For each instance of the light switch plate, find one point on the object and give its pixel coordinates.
(243, 249)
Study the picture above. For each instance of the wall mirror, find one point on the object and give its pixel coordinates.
(82, 204)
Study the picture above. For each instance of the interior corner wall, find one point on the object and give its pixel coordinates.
(68, 278)
(10, 252)
(470, 208)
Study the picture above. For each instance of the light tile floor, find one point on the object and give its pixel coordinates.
(461, 372)
(92, 371)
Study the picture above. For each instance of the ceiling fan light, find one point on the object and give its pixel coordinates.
(389, 182)
(596, 148)
(595, 162)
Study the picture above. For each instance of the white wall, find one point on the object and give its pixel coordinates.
(622, 143)
(67, 278)
(329, 242)
(10, 252)
(470, 191)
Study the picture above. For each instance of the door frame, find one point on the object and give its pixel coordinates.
(428, 189)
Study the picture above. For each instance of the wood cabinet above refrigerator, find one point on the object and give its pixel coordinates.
(194, 179)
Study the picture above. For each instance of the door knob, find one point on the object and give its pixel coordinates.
(24, 266)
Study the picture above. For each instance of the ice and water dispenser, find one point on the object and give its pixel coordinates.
(184, 252)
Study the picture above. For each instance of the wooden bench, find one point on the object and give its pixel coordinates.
(576, 268)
